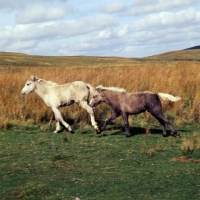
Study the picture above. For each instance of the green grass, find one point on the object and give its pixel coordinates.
(37, 164)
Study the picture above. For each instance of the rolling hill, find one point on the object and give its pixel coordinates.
(24, 60)
(190, 54)
(195, 47)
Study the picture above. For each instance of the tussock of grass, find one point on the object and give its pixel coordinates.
(191, 146)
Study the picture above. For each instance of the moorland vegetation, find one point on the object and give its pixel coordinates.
(37, 164)
(179, 78)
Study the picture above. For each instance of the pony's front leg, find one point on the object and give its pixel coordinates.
(59, 119)
(57, 127)
(90, 111)
(109, 120)
(126, 124)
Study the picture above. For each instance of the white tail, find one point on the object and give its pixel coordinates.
(169, 97)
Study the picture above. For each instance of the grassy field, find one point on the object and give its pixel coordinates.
(37, 164)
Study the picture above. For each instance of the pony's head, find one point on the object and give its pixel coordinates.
(29, 85)
(97, 97)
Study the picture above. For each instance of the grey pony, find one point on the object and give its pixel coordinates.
(125, 104)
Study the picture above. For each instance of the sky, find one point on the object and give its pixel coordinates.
(122, 28)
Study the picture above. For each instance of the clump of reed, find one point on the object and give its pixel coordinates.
(190, 145)
(176, 78)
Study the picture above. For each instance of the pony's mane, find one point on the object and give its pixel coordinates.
(114, 89)
(43, 81)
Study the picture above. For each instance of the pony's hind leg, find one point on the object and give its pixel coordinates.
(59, 119)
(163, 120)
(90, 111)
(162, 124)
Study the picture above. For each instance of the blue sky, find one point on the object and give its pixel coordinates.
(125, 28)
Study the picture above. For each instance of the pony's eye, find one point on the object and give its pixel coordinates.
(28, 84)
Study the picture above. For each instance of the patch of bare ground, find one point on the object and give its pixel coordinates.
(185, 159)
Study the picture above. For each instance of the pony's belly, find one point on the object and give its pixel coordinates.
(66, 103)
(135, 111)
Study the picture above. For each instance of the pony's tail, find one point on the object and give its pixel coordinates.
(169, 97)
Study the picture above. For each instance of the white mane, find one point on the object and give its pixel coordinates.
(114, 89)
(51, 83)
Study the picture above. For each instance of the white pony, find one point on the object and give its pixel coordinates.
(55, 96)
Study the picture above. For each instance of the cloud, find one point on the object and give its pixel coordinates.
(38, 14)
(22, 45)
(10, 4)
(51, 27)
(53, 31)
(154, 33)
(149, 6)
(166, 20)
(112, 7)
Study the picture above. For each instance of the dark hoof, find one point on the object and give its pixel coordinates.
(178, 135)
(98, 131)
(72, 132)
(164, 135)
(127, 135)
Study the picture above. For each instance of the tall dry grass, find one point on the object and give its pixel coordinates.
(177, 78)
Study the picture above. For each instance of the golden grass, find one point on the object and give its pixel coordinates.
(177, 78)
(189, 145)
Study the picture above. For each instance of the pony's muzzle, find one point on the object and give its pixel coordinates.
(23, 93)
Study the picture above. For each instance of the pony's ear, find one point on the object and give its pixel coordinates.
(33, 78)
(98, 89)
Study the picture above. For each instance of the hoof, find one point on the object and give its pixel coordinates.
(72, 132)
(98, 131)
(96, 128)
(127, 135)
(56, 132)
(178, 135)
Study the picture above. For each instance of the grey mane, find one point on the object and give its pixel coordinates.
(114, 89)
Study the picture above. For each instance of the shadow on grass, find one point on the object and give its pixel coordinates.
(120, 130)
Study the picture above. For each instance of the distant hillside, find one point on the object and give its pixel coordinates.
(188, 55)
(195, 47)
(24, 60)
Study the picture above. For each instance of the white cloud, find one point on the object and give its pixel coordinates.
(38, 14)
(22, 45)
(112, 7)
(167, 19)
(48, 27)
(10, 4)
(148, 6)
(49, 31)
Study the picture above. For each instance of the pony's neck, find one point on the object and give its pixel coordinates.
(109, 96)
(41, 89)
